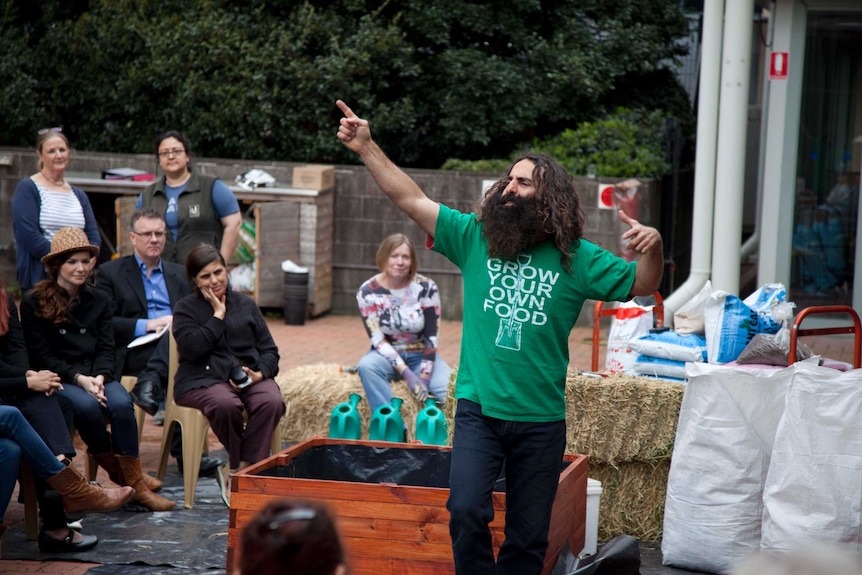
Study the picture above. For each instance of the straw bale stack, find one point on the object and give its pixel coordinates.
(626, 425)
(311, 392)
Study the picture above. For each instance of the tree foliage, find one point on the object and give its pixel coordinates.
(258, 78)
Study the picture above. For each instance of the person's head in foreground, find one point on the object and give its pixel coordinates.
(292, 536)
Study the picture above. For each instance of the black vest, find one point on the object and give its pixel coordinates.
(197, 221)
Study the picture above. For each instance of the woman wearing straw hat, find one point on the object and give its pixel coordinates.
(67, 328)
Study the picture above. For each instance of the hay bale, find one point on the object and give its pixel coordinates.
(311, 392)
(627, 426)
(632, 499)
(621, 418)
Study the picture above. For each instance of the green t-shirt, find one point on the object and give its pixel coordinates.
(518, 316)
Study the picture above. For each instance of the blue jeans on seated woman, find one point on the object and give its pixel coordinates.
(19, 441)
(376, 372)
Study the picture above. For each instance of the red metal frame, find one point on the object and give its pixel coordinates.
(599, 311)
(855, 329)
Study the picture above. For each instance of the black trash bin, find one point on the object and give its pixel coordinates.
(295, 297)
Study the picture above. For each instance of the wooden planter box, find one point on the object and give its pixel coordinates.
(390, 527)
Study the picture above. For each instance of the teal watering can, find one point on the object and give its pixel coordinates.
(431, 426)
(386, 422)
(345, 423)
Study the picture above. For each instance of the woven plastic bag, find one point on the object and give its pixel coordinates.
(813, 487)
(629, 322)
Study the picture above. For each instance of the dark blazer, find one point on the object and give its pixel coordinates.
(120, 281)
(14, 362)
(83, 343)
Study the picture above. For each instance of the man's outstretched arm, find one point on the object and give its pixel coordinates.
(355, 134)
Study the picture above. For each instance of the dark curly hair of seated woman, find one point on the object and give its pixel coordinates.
(292, 536)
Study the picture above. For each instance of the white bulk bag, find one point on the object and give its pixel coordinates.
(727, 422)
(814, 485)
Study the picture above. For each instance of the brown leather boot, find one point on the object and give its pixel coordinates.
(130, 467)
(79, 495)
(108, 462)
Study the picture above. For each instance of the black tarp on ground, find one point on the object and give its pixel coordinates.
(186, 540)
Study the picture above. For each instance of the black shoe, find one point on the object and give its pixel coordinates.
(209, 465)
(144, 396)
(48, 544)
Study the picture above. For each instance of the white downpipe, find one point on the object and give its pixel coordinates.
(751, 244)
(705, 158)
(730, 159)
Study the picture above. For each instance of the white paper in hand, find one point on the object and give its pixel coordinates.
(148, 337)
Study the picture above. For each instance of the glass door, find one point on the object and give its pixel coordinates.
(829, 157)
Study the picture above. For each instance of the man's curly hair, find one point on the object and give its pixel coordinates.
(563, 218)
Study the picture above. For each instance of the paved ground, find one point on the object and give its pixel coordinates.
(342, 340)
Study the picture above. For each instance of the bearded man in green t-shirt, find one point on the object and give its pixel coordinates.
(527, 272)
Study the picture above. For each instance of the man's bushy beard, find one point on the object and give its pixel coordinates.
(510, 230)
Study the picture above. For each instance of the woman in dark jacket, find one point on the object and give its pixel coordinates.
(67, 328)
(32, 392)
(219, 330)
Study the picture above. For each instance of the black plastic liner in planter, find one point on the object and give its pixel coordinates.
(367, 464)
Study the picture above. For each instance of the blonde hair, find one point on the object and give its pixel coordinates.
(388, 245)
(44, 137)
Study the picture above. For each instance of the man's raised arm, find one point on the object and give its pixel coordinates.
(355, 134)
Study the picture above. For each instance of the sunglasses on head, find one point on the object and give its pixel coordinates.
(298, 514)
(46, 130)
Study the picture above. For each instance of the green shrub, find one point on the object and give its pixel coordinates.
(494, 166)
(624, 144)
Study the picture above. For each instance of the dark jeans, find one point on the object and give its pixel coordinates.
(532, 455)
(90, 422)
(51, 418)
(155, 366)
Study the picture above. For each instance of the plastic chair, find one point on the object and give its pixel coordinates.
(194, 425)
(599, 311)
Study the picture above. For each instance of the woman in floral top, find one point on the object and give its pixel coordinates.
(401, 312)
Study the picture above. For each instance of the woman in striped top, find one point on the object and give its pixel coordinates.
(44, 203)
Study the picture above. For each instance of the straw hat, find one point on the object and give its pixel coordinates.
(69, 240)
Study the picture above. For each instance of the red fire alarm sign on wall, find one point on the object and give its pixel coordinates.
(606, 197)
(778, 66)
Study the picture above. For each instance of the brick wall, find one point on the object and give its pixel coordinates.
(362, 216)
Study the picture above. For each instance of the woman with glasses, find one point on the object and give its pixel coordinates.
(197, 208)
(44, 203)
